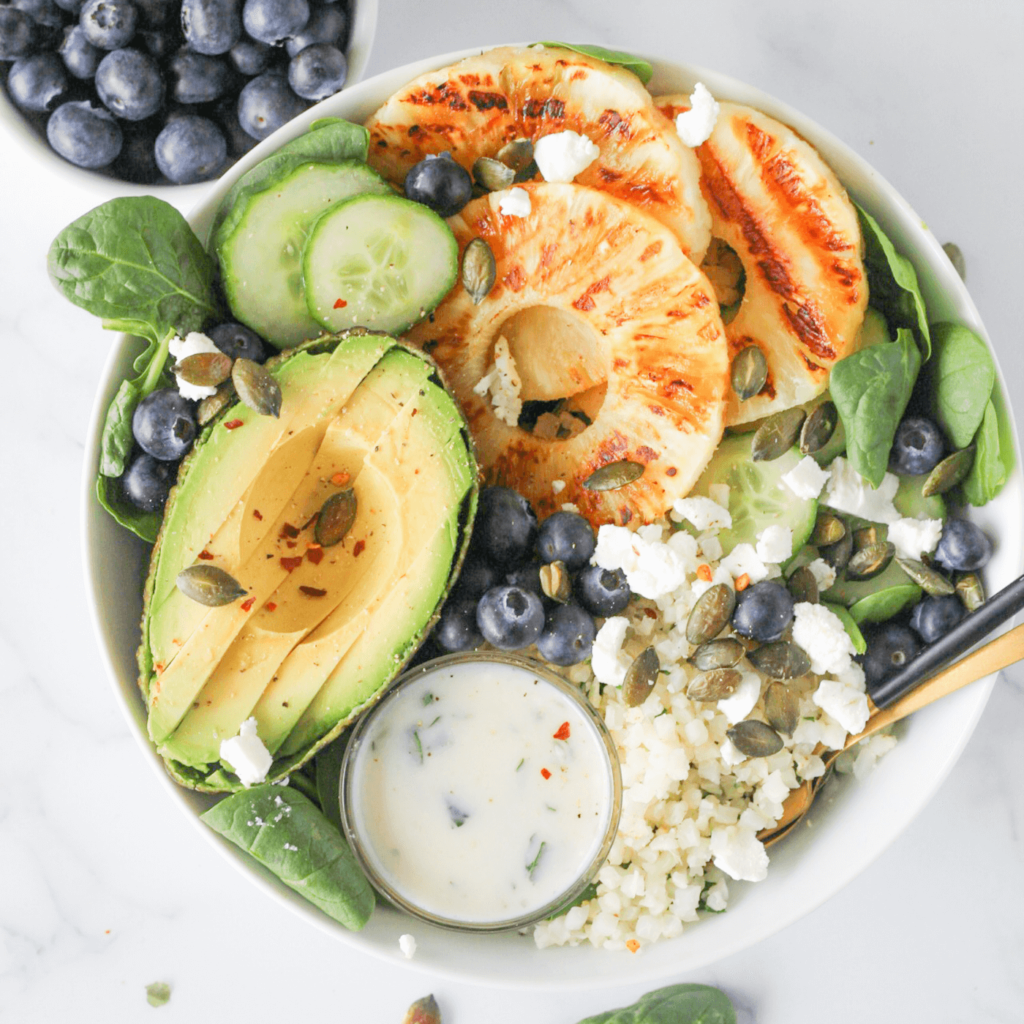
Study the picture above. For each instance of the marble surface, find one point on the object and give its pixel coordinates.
(104, 887)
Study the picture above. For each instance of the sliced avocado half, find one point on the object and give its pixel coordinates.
(321, 630)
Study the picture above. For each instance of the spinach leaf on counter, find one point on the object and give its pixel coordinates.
(960, 377)
(871, 389)
(640, 67)
(894, 288)
(283, 830)
(993, 456)
(675, 1004)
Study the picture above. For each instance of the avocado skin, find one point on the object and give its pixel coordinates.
(216, 778)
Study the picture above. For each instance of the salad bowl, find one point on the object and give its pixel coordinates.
(812, 864)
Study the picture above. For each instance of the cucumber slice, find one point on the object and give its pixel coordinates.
(381, 262)
(757, 496)
(260, 249)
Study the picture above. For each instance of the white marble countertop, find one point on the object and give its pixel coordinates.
(104, 887)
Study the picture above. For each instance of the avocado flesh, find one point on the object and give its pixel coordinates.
(209, 510)
(267, 638)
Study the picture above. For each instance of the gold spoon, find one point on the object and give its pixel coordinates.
(997, 654)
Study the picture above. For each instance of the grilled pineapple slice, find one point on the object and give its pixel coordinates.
(781, 208)
(473, 108)
(651, 317)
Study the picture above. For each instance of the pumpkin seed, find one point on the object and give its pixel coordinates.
(517, 154)
(556, 582)
(777, 434)
(208, 585)
(711, 614)
(780, 660)
(949, 472)
(641, 677)
(804, 586)
(478, 270)
(828, 529)
(930, 580)
(211, 406)
(714, 654)
(819, 427)
(749, 372)
(423, 1011)
(717, 684)
(838, 554)
(956, 257)
(869, 561)
(492, 174)
(614, 475)
(781, 708)
(256, 387)
(204, 369)
(754, 738)
(336, 517)
(970, 590)
(865, 536)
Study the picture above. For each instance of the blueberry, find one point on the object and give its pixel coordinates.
(317, 72)
(274, 21)
(80, 57)
(935, 616)
(17, 33)
(42, 12)
(477, 576)
(85, 135)
(226, 115)
(566, 537)
(325, 25)
(266, 103)
(510, 618)
(763, 611)
(71, 6)
(962, 546)
(528, 578)
(250, 57)
(568, 635)
(440, 183)
(889, 647)
(108, 24)
(237, 341)
(211, 26)
(198, 78)
(164, 424)
(130, 84)
(147, 481)
(190, 149)
(137, 159)
(505, 527)
(157, 43)
(37, 82)
(602, 592)
(155, 13)
(456, 629)
(917, 448)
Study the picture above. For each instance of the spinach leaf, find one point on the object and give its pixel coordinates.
(860, 645)
(993, 457)
(143, 524)
(961, 376)
(328, 780)
(135, 262)
(871, 389)
(893, 280)
(884, 604)
(285, 832)
(675, 1004)
(640, 67)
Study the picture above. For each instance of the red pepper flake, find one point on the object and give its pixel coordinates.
(742, 582)
(271, 606)
(205, 555)
(563, 732)
(248, 603)
(257, 513)
(313, 591)
(233, 424)
(290, 563)
(340, 479)
(359, 548)
(650, 613)
(632, 945)
(159, 666)
(315, 555)
(289, 531)
(545, 773)
(340, 303)
(704, 572)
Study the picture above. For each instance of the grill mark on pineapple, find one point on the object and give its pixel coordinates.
(585, 302)
(443, 94)
(487, 100)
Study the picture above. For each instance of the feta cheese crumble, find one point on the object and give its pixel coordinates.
(843, 703)
(744, 561)
(515, 203)
(849, 492)
(503, 384)
(739, 853)
(562, 155)
(915, 537)
(194, 343)
(701, 513)
(774, 544)
(822, 636)
(407, 944)
(653, 569)
(823, 573)
(806, 478)
(695, 125)
(246, 754)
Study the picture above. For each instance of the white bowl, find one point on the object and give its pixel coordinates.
(852, 824)
(15, 126)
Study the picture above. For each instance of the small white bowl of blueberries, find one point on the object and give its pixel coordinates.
(171, 92)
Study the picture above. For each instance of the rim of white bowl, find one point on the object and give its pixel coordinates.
(785, 896)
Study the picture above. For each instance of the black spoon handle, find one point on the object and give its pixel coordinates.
(964, 635)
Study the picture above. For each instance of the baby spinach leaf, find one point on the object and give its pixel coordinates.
(676, 1004)
(893, 280)
(143, 524)
(961, 376)
(134, 262)
(993, 457)
(884, 604)
(328, 780)
(283, 830)
(860, 645)
(871, 389)
(640, 67)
